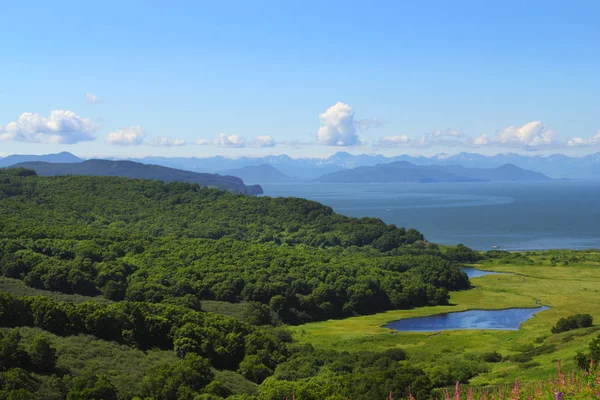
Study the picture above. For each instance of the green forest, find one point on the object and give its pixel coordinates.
(198, 285)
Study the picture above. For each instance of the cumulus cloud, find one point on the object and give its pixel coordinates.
(532, 134)
(164, 141)
(264, 141)
(238, 141)
(201, 142)
(581, 142)
(393, 141)
(129, 136)
(338, 127)
(60, 127)
(91, 99)
(234, 140)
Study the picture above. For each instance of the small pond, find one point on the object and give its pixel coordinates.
(476, 273)
(508, 319)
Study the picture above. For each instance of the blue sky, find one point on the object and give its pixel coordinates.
(305, 78)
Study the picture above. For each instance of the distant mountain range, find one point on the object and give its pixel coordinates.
(403, 171)
(264, 173)
(554, 166)
(302, 168)
(130, 169)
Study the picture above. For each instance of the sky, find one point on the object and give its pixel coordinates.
(304, 78)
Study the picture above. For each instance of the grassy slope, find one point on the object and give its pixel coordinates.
(570, 289)
(17, 287)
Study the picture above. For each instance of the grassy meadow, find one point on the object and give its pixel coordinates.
(566, 281)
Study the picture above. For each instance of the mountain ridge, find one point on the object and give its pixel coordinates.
(135, 170)
(404, 171)
(263, 173)
(555, 165)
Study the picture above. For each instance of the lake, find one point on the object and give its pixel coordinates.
(509, 215)
(476, 273)
(509, 319)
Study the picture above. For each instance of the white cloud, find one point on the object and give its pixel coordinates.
(129, 136)
(393, 141)
(448, 132)
(338, 126)
(60, 127)
(164, 141)
(201, 142)
(91, 98)
(581, 142)
(532, 134)
(446, 137)
(481, 140)
(264, 141)
(234, 140)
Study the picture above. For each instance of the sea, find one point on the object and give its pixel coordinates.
(503, 215)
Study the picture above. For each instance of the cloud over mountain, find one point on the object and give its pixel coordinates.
(129, 136)
(226, 140)
(533, 134)
(393, 141)
(164, 141)
(60, 127)
(445, 137)
(581, 142)
(264, 141)
(338, 127)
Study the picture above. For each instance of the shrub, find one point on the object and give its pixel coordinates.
(492, 357)
(573, 322)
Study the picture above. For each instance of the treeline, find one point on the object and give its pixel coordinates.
(298, 284)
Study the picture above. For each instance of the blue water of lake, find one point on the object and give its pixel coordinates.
(476, 273)
(509, 319)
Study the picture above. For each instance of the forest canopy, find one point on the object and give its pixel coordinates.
(157, 250)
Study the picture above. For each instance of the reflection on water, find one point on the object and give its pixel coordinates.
(509, 319)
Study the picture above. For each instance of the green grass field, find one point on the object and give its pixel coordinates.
(566, 281)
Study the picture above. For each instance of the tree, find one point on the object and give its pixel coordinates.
(254, 370)
(92, 387)
(42, 354)
(11, 354)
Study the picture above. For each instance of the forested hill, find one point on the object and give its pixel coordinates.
(151, 241)
(130, 169)
(157, 251)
